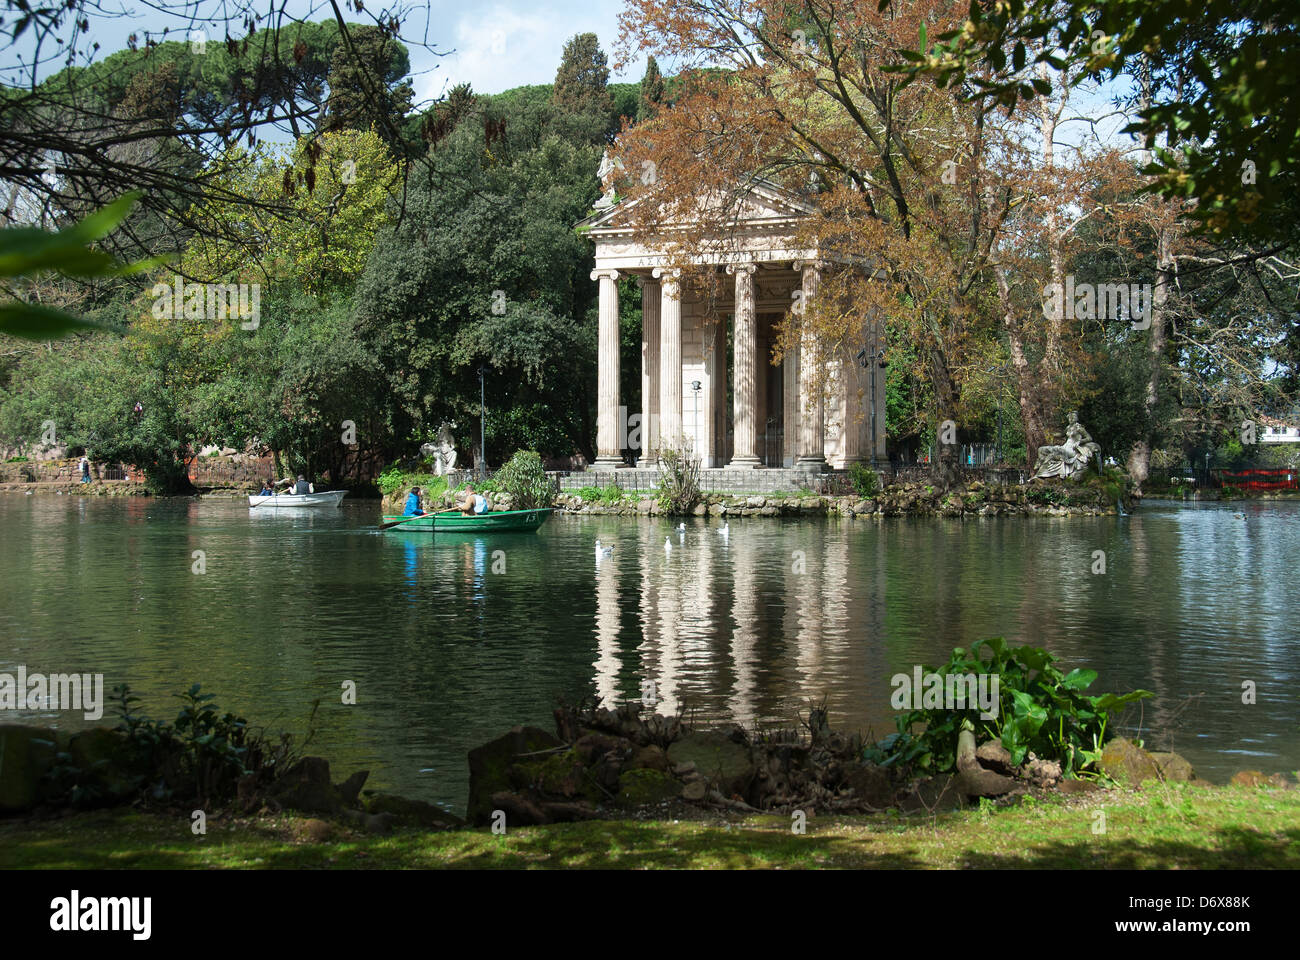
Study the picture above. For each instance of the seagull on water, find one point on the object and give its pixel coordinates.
(725, 529)
(603, 551)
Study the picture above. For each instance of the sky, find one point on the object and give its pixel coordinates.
(493, 46)
(509, 44)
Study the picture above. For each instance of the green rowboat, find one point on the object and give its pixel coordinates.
(453, 521)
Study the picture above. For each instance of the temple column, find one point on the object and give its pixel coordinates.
(762, 371)
(650, 302)
(876, 425)
(670, 357)
(608, 452)
(790, 406)
(744, 378)
(855, 400)
(812, 415)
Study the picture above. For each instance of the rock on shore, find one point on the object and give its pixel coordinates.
(619, 763)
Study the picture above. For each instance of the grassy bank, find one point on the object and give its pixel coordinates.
(1161, 827)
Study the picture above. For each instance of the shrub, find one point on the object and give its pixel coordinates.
(1048, 493)
(1039, 708)
(524, 478)
(1113, 483)
(866, 482)
(199, 757)
(610, 494)
(394, 480)
(679, 477)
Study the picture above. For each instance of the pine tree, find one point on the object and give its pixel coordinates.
(652, 91)
(583, 106)
(368, 88)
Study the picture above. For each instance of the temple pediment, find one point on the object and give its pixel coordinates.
(762, 206)
(763, 227)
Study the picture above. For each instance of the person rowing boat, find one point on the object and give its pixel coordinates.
(472, 503)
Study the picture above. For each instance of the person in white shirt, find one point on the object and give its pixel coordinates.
(472, 503)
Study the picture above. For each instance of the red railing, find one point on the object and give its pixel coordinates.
(1284, 479)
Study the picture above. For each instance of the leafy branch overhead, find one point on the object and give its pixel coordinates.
(1214, 84)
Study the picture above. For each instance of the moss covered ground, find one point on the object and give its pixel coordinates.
(1161, 827)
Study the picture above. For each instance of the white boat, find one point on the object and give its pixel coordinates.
(329, 498)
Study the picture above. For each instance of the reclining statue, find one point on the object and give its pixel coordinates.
(1069, 458)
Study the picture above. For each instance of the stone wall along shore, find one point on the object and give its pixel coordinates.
(975, 499)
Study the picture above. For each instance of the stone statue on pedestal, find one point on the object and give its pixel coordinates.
(608, 167)
(1070, 458)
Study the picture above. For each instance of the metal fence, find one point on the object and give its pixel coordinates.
(1000, 474)
(629, 481)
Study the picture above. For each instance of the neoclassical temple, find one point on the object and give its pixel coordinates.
(770, 418)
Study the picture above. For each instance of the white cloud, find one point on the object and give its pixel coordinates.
(510, 45)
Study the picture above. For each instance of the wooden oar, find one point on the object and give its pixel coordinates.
(398, 523)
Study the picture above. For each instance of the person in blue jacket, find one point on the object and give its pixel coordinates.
(413, 504)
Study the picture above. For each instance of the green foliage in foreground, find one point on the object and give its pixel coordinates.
(1161, 827)
(28, 252)
(1039, 709)
(199, 757)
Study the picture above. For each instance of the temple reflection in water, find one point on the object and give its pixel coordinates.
(731, 620)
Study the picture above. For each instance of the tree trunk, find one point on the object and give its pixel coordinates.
(1139, 457)
(944, 466)
(1031, 405)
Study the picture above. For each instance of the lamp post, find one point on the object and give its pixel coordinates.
(695, 417)
(482, 420)
(997, 454)
(873, 357)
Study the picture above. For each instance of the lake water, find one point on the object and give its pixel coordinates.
(450, 642)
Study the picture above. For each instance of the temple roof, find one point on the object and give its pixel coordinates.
(764, 204)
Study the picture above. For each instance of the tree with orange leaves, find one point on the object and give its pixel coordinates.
(907, 200)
